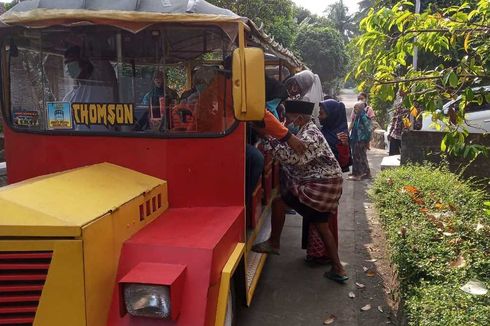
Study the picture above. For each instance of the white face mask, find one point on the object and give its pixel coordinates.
(73, 69)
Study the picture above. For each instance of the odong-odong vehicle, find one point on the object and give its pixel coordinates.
(477, 116)
(126, 197)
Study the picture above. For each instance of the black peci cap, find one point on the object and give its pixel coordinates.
(299, 107)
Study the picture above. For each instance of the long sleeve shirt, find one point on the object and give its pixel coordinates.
(314, 177)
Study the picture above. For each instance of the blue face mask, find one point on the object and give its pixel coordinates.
(272, 106)
(73, 69)
(293, 128)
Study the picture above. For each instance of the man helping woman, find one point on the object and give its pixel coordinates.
(313, 184)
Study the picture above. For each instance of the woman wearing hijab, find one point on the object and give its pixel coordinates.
(359, 138)
(333, 119)
(306, 86)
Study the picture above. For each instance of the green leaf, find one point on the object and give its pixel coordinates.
(467, 41)
(453, 79)
(445, 80)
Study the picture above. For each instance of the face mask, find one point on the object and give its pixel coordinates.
(73, 69)
(293, 128)
(273, 104)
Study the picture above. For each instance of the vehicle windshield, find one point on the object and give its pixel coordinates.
(167, 80)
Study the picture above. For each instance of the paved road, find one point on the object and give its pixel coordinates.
(291, 293)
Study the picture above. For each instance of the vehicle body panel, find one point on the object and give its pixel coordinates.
(188, 165)
(64, 283)
(200, 238)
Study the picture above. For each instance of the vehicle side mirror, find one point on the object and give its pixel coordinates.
(249, 84)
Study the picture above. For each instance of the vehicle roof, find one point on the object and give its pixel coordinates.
(479, 88)
(159, 6)
(135, 15)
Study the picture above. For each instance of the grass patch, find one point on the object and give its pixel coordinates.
(438, 237)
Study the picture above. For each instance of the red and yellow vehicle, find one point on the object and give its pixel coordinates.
(126, 203)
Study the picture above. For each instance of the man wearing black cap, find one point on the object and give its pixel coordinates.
(313, 186)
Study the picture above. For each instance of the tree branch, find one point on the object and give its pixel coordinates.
(443, 30)
(408, 80)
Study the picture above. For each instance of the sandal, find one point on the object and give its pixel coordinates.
(336, 277)
(265, 248)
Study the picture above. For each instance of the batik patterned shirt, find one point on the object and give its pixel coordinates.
(314, 177)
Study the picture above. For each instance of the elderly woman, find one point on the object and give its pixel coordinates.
(360, 137)
(333, 119)
(306, 86)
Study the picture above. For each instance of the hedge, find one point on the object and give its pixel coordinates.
(438, 237)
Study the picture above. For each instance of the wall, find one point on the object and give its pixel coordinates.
(425, 146)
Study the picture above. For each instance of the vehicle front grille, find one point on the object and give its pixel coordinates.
(22, 277)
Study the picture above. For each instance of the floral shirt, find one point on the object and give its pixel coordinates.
(318, 162)
(314, 177)
(397, 124)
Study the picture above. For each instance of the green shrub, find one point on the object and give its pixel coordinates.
(439, 239)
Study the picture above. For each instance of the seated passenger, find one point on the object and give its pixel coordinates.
(152, 100)
(91, 85)
(158, 91)
(210, 99)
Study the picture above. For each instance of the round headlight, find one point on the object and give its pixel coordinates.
(147, 300)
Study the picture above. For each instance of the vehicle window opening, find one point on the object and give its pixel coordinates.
(165, 80)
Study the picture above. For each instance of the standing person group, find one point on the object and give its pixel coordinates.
(312, 178)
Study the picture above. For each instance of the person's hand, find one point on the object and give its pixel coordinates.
(297, 145)
(343, 138)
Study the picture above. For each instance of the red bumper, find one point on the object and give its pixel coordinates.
(201, 239)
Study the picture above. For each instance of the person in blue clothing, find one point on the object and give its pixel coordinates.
(359, 139)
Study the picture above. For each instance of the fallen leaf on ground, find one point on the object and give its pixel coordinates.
(475, 287)
(403, 232)
(360, 285)
(370, 273)
(365, 269)
(330, 319)
(352, 295)
(458, 262)
(438, 206)
(371, 260)
(411, 189)
(380, 309)
(447, 234)
(366, 307)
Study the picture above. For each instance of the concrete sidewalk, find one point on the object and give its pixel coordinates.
(291, 293)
